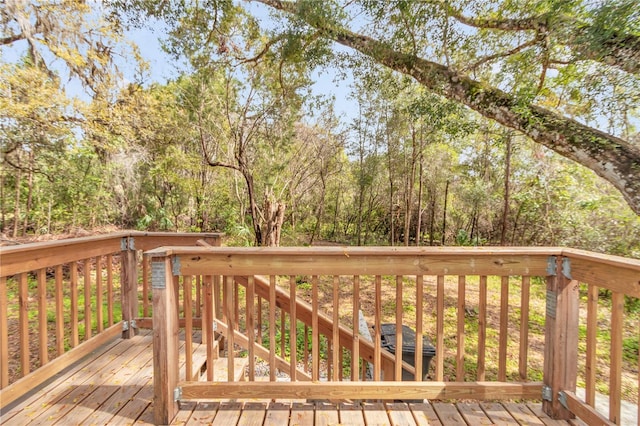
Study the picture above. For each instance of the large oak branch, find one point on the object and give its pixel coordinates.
(612, 158)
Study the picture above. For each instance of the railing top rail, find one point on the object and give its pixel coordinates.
(608, 259)
(359, 260)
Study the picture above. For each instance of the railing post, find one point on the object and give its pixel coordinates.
(129, 287)
(561, 337)
(165, 341)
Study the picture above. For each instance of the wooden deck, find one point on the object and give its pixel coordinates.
(114, 386)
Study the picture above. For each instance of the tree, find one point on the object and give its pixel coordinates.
(611, 157)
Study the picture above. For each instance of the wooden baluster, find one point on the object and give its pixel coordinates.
(208, 337)
(23, 298)
(377, 339)
(87, 298)
(440, 329)
(398, 364)
(236, 305)
(592, 336)
(272, 328)
(504, 329)
(198, 301)
(524, 328)
(283, 332)
(187, 282)
(4, 335)
(129, 287)
(99, 296)
(110, 290)
(230, 309)
(615, 372)
(461, 319)
(419, 344)
(73, 266)
(59, 311)
(145, 288)
(293, 332)
(43, 337)
(250, 296)
(315, 335)
(482, 328)
(355, 349)
(337, 368)
(259, 318)
(306, 348)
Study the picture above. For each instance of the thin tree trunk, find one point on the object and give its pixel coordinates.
(16, 207)
(507, 178)
(444, 212)
(27, 214)
(419, 219)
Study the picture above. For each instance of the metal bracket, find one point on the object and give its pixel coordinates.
(566, 267)
(125, 325)
(547, 393)
(552, 303)
(158, 275)
(133, 324)
(177, 394)
(551, 266)
(127, 243)
(175, 266)
(562, 398)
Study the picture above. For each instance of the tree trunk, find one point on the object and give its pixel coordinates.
(28, 209)
(16, 207)
(444, 213)
(507, 178)
(419, 219)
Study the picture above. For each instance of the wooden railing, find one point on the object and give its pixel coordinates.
(59, 300)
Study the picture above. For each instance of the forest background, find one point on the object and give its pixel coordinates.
(238, 142)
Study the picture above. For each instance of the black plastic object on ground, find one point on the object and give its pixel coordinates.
(388, 340)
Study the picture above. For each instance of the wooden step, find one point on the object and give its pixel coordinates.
(221, 369)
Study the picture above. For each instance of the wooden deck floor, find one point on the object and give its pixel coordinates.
(114, 387)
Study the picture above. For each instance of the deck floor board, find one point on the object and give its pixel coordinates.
(115, 386)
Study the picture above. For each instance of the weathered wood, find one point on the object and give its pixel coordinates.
(74, 304)
(110, 300)
(86, 275)
(18, 388)
(315, 335)
(375, 414)
(250, 300)
(424, 414)
(615, 371)
(419, 324)
(522, 414)
(129, 289)
(498, 414)
(253, 414)
(400, 414)
(4, 336)
(277, 414)
(59, 302)
(362, 390)
(377, 355)
(272, 327)
(482, 327)
(165, 341)
(473, 413)
(293, 331)
(351, 414)
(187, 292)
(397, 373)
(448, 414)
(461, 311)
(355, 326)
(229, 302)
(326, 414)
(99, 296)
(360, 260)
(587, 413)
(523, 358)
(146, 286)
(335, 349)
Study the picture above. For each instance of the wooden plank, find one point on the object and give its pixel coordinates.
(498, 414)
(203, 414)
(75, 339)
(473, 413)
(43, 332)
(503, 339)
(272, 328)
(360, 260)
(302, 414)
(129, 290)
(230, 314)
(4, 336)
(482, 328)
(440, 328)
(253, 414)
(375, 414)
(277, 414)
(362, 390)
(522, 414)
(400, 414)
(146, 286)
(424, 414)
(133, 408)
(228, 414)
(536, 409)
(523, 358)
(22, 386)
(614, 273)
(587, 413)
(326, 414)
(184, 414)
(592, 336)
(315, 335)
(355, 326)
(187, 291)
(615, 372)
(351, 414)
(23, 324)
(251, 326)
(110, 300)
(448, 414)
(377, 355)
(460, 327)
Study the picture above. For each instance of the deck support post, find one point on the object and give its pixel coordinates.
(165, 341)
(561, 337)
(129, 287)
